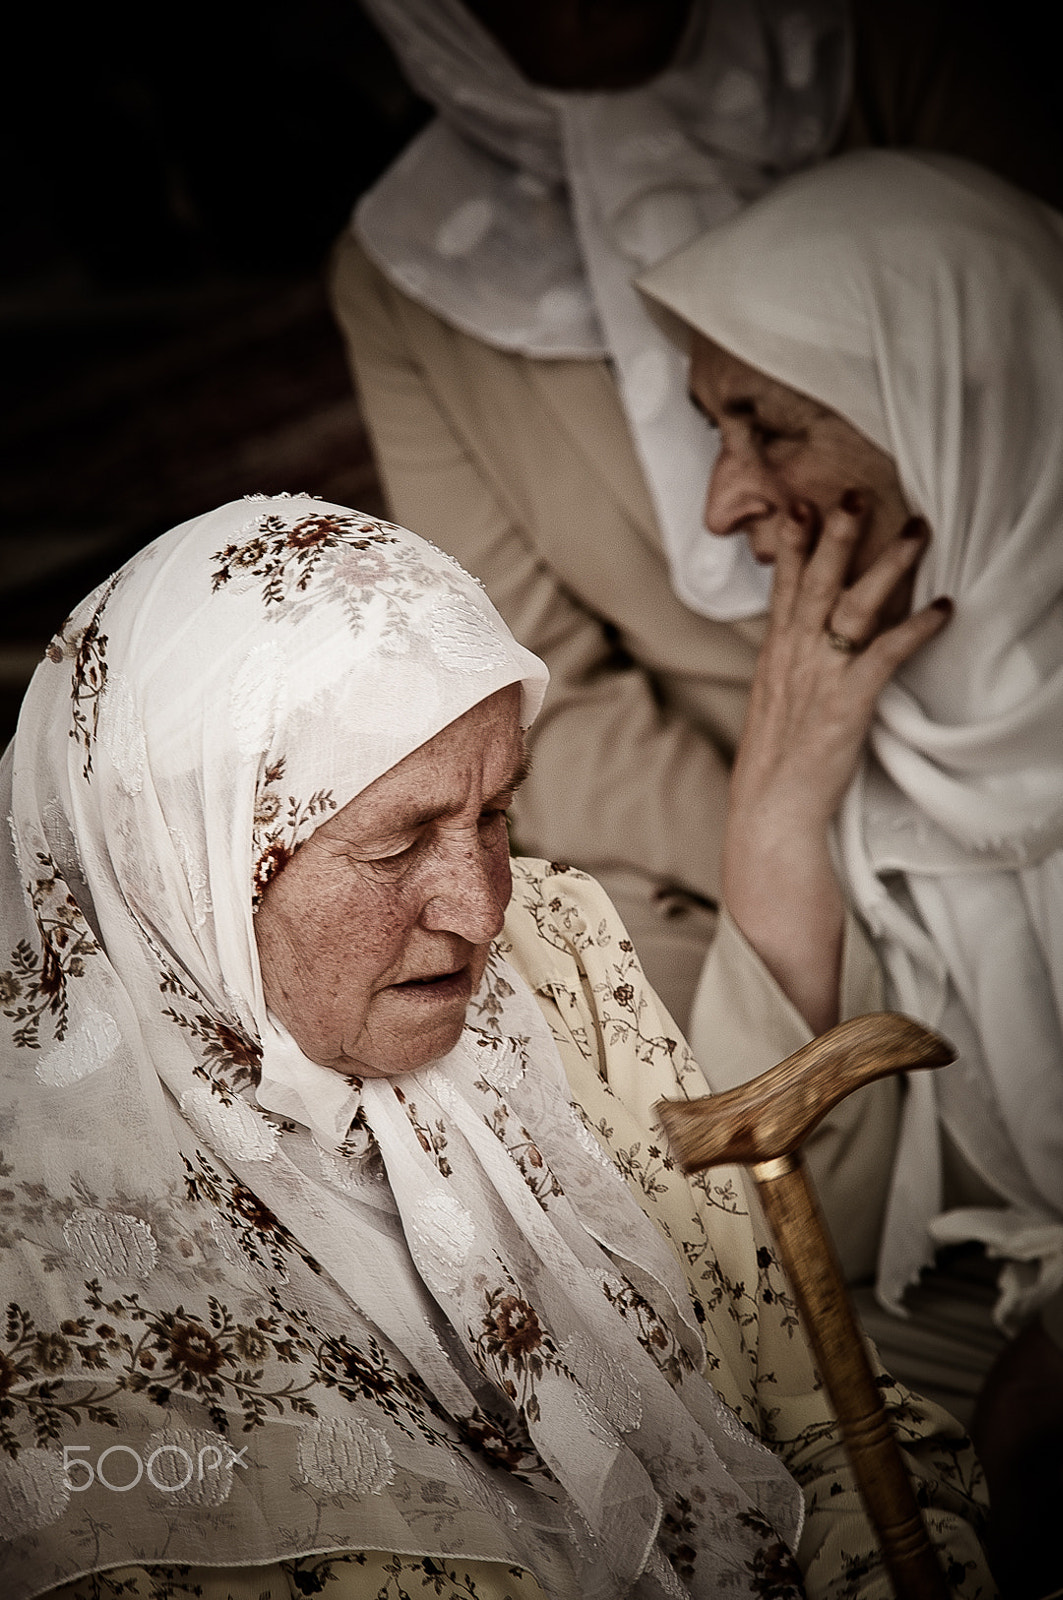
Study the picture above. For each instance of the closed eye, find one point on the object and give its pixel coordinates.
(397, 854)
(768, 438)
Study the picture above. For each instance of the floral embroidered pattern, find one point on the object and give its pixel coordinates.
(523, 1151)
(431, 1136)
(653, 1335)
(773, 1569)
(487, 1004)
(405, 1576)
(399, 1578)
(234, 1367)
(274, 1347)
(231, 1060)
(504, 1442)
(141, 1351)
(742, 1299)
(286, 555)
(259, 1235)
(35, 985)
(513, 1347)
(280, 826)
(625, 1002)
(88, 646)
(773, 1288)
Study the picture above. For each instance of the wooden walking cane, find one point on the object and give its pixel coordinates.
(761, 1125)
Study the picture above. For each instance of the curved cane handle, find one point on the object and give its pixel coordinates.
(775, 1113)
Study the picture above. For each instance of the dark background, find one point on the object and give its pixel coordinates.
(173, 180)
(173, 177)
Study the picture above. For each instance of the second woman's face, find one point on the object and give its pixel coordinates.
(781, 453)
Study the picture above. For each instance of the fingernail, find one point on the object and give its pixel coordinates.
(914, 528)
(943, 604)
(853, 502)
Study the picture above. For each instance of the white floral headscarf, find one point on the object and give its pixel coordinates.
(259, 1309)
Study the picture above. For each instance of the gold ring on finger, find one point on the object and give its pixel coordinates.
(842, 642)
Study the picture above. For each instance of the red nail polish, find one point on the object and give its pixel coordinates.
(943, 604)
(852, 501)
(914, 528)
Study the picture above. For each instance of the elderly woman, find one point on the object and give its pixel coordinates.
(880, 346)
(338, 1254)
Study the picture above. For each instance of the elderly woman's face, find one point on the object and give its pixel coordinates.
(780, 450)
(375, 935)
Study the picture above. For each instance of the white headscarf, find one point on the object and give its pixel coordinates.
(291, 1311)
(922, 299)
(521, 215)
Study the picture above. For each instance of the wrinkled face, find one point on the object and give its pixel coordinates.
(374, 936)
(779, 451)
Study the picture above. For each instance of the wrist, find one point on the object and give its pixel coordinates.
(782, 894)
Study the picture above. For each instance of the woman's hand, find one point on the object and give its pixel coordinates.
(832, 646)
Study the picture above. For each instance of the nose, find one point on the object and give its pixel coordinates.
(469, 893)
(739, 497)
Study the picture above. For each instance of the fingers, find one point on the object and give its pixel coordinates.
(797, 541)
(876, 665)
(859, 609)
(813, 604)
(829, 562)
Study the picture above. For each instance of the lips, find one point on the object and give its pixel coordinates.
(430, 977)
(453, 985)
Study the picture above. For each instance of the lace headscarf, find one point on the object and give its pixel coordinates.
(922, 300)
(521, 215)
(257, 1308)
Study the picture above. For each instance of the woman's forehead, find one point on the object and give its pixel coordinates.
(728, 385)
(478, 757)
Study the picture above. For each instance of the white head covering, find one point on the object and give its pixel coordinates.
(300, 1312)
(922, 299)
(521, 215)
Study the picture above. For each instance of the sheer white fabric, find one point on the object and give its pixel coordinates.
(521, 215)
(417, 1315)
(922, 299)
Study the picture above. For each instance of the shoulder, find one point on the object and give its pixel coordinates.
(565, 909)
(566, 939)
(562, 932)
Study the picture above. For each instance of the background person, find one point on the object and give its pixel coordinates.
(879, 344)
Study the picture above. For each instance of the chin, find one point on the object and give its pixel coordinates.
(420, 1052)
